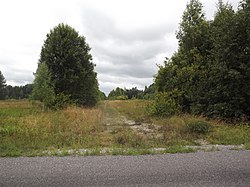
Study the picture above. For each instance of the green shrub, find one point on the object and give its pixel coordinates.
(61, 101)
(164, 105)
(199, 127)
(121, 97)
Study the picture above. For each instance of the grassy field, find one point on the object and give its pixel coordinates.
(120, 127)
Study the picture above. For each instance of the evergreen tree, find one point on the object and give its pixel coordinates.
(69, 61)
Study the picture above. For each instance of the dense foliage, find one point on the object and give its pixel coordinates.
(164, 105)
(68, 58)
(2, 86)
(210, 72)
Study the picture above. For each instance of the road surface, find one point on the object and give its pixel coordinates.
(223, 168)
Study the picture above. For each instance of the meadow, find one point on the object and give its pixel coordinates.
(112, 127)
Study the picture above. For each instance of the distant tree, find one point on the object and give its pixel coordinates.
(43, 87)
(102, 95)
(68, 58)
(18, 92)
(149, 89)
(2, 86)
(134, 93)
(27, 90)
(117, 94)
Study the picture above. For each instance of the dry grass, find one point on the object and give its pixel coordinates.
(136, 109)
(23, 131)
(174, 129)
(26, 130)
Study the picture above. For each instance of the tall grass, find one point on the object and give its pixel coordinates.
(26, 130)
(22, 130)
(176, 130)
(135, 109)
(234, 135)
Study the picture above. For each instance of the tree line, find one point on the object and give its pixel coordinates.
(210, 72)
(13, 92)
(133, 93)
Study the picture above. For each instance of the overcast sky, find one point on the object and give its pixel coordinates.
(128, 37)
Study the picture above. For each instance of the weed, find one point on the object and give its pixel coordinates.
(128, 138)
(199, 127)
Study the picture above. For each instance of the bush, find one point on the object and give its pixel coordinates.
(164, 105)
(199, 127)
(121, 97)
(61, 101)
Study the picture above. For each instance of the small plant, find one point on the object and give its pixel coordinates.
(199, 127)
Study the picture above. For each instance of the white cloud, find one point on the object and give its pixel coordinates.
(128, 37)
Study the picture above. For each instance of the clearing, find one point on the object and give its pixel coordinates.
(113, 127)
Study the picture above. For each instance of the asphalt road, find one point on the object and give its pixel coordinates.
(224, 168)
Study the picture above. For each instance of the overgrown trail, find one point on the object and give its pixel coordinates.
(113, 119)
